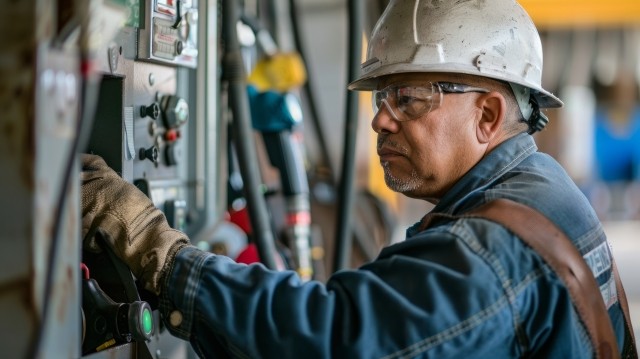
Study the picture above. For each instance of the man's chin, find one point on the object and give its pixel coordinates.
(410, 188)
(399, 185)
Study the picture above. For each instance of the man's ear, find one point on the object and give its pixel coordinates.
(493, 109)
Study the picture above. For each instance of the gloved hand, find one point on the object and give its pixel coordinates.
(131, 225)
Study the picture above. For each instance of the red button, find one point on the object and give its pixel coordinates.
(171, 135)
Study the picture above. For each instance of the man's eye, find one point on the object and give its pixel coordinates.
(414, 106)
(406, 100)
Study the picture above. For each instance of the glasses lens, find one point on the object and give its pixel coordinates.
(377, 97)
(414, 101)
(407, 102)
(380, 98)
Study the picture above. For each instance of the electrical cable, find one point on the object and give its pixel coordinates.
(308, 91)
(233, 73)
(346, 192)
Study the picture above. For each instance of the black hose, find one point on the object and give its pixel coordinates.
(233, 73)
(346, 194)
(308, 92)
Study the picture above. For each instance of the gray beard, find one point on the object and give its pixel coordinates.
(400, 185)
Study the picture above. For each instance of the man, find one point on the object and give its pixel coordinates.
(456, 87)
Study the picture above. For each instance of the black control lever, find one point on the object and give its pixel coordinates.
(111, 306)
(178, 15)
(108, 323)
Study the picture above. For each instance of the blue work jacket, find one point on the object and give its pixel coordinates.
(465, 289)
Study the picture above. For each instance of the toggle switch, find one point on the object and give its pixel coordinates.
(152, 110)
(150, 153)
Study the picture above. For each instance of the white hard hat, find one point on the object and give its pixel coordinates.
(489, 38)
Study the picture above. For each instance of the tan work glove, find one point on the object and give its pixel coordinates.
(126, 218)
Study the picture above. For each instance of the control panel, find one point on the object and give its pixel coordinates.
(145, 128)
(170, 32)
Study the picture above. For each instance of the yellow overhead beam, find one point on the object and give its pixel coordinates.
(582, 13)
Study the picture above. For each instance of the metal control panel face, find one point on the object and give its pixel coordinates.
(142, 129)
(144, 126)
(169, 33)
(161, 134)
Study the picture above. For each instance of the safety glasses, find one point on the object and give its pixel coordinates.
(407, 102)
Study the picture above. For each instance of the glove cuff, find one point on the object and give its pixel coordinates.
(163, 253)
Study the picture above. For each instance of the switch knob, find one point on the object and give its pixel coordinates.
(150, 153)
(179, 47)
(175, 111)
(152, 110)
(172, 153)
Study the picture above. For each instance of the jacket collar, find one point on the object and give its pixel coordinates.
(502, 159)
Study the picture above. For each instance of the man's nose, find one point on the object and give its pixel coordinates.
(385, 120)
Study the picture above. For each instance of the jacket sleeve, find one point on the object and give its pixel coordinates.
(407, 302)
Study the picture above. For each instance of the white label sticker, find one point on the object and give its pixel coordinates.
(599, 259)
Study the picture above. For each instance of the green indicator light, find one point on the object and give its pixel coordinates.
(147, 322)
